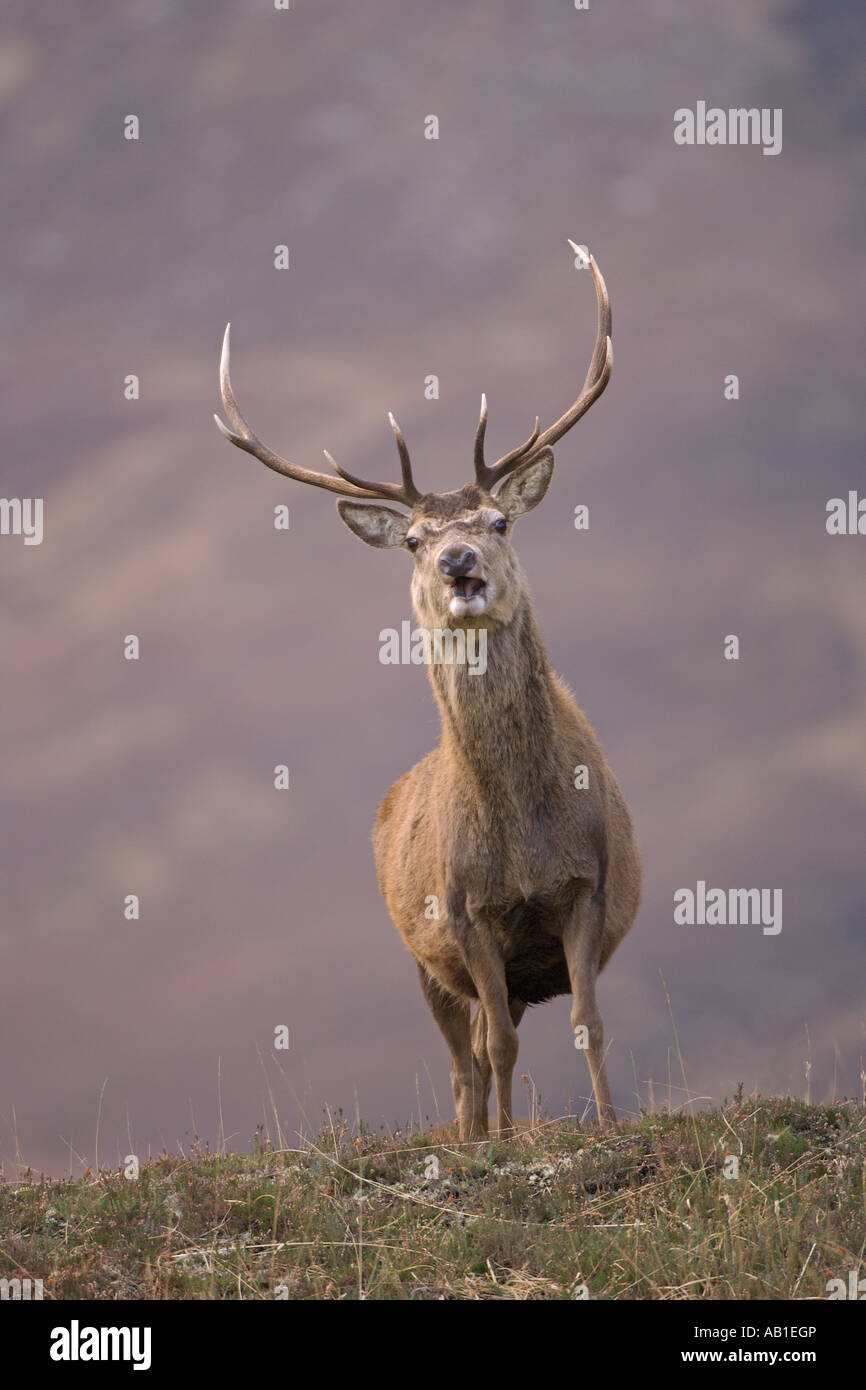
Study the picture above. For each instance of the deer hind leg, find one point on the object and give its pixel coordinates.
(582, 941)
(467, 1082)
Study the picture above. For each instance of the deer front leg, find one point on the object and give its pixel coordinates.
(487, 969)
(478, 1034)
(581, 941)
(467, 1083)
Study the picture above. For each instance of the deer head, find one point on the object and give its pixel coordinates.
(465, 568)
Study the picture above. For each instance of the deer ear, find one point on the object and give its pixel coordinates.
(526, 486)
(378, 526)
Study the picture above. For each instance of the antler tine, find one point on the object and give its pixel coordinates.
(405, 492)
(480, 466)
(600, 364)
(485, 476)
(242, 436)
(509, 462)
(597, 377)
(409, 487)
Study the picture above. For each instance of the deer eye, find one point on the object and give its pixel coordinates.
(501, 526)
(412, 542)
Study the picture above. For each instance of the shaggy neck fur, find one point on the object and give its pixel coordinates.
(500, 728)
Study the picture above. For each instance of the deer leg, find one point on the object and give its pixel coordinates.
(467, 1083)
(582, 941)
(479, 1052)
(517, 1009)
(488, 974)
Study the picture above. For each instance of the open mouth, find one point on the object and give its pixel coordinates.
(468, 588)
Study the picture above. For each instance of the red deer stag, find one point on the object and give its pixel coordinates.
(510, 879)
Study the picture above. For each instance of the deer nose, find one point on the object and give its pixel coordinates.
(457, 562)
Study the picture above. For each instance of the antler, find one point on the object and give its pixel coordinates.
(240, 434)
(597, 377)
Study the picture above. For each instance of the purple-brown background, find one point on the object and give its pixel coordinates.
(411, 257)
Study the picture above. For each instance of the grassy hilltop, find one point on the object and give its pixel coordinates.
(643, 1212)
